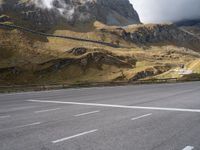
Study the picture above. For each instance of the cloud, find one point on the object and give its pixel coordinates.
(66, 10)
(161, 11)
(48, 4)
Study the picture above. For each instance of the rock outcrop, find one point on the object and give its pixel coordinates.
(149, 72)
(162, 34)
(95, 58)
(190, 26)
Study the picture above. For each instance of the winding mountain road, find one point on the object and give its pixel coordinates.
(57, 36)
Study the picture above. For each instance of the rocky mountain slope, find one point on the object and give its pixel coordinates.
(72, 50)
(48, 14)
(190, 26)
(30, 58)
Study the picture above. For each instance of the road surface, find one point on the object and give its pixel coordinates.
(142, 117)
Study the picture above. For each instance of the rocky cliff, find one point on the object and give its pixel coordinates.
(70, 12)
(157, 34)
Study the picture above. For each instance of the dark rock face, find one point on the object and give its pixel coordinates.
(190, 26)
(111, 12)
(78, 51)
(151, 34)
(163, 34)
(117, 12)
(159, 33)
(188, 22)
(152, 71)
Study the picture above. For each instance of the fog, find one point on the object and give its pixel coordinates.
(65, 9)
(44, 3)
(164, 11)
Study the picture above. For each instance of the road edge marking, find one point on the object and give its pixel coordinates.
(118, 106)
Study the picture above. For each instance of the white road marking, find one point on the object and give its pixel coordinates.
(2, 117)
(188, 148)
(87, 113)
(74, 136)
(143, 116)
(47, 110)
(22, 126)
(27, 125)
(118, 106)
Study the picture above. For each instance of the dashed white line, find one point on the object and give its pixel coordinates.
(119, 106)
(143, 116)
(27, 125)
(2, 117)
(47, 110)
(22, 126)
(74, 136)
(188, 148)
(87, 113)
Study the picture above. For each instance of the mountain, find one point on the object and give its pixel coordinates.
(192, 22)
(40, 43)
(48, 14)
(190, 26)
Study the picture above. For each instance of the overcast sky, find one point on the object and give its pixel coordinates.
(161, 11)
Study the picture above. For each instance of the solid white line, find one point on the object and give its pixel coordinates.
(188, 148)
(118, 106)
(2, 117)
(74, 136)
(22, 126)
(47, 110)
(87, 113)
(143, 116)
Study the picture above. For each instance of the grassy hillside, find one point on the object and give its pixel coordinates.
(27, 58)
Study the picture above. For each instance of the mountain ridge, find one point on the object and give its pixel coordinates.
(70, 12)
(51, 49)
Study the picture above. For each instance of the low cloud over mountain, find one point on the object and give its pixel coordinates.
(159, 11)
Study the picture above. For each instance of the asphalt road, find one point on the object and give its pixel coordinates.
(142, 117)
